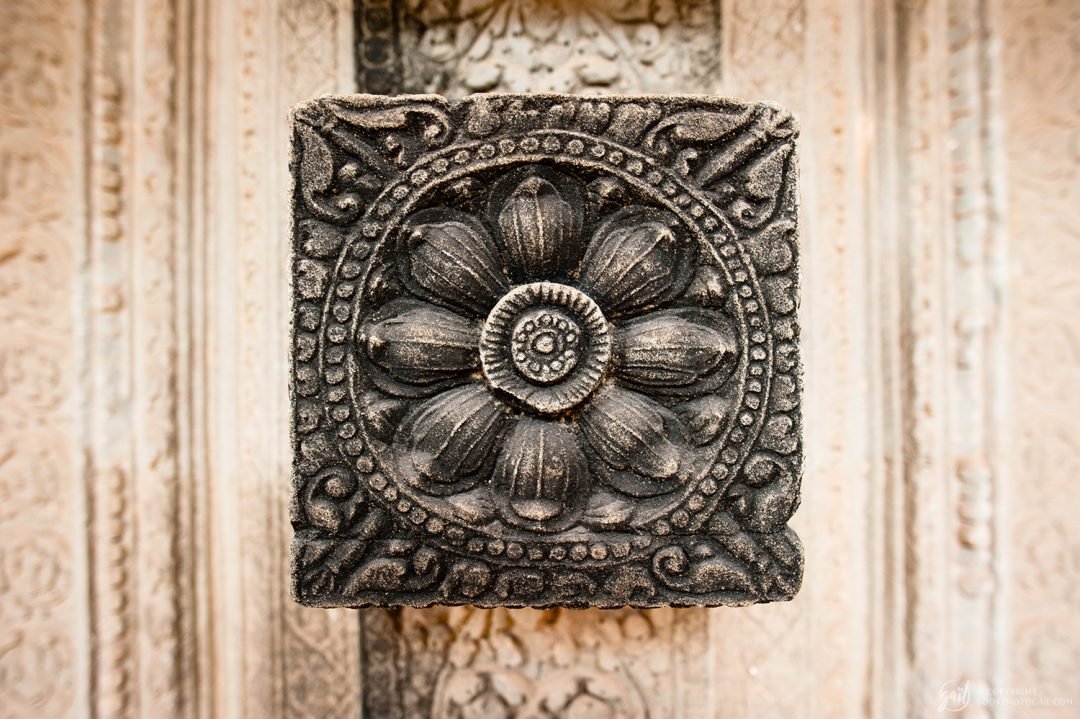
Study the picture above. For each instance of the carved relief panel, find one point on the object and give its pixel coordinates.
(464, 662)
(456, 48)
(545, 352)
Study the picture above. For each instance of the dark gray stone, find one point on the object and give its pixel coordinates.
(544, 351)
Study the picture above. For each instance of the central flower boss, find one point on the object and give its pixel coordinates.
(545, 362)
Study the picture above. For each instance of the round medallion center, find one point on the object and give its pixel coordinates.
(546, 345)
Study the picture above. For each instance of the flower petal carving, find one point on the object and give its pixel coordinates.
(538, 229)
(627, 430)
(636, 261)
(420, 344)
(671, 350)
(455, 264)
(451, 435)
(541, 470)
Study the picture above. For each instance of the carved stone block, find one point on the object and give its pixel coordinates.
(544, 351)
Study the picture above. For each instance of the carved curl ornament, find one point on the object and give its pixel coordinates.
(545, 352)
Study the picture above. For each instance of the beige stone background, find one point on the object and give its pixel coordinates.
(143, 394)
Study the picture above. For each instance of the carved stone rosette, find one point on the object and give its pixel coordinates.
(545, 352)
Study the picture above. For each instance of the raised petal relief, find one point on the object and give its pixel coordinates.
(636, 261)
(628, 431)
(538, 229)
(541, 471)
(545, 353)
(670, 351)
(453, 263)
(421, 344)
(451, 435)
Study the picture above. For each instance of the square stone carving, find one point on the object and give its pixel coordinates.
(545, 351)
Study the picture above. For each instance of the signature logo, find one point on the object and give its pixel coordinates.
(954, 695)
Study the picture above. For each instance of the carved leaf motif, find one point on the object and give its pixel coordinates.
(368, 170)
(592, 117)
(317, 177)
(670, 351)
(420, 343)
(708, 572)
(635, 262)
(451, 435)
(396, 573)
(773, 560)
(396, 118)
(770, 123)
(571, 586)
(541, 469)
(761, 189)
(699, 126)
(627, 430)
(538, 228)
(780, 293)
(317, 164)
(453, 263)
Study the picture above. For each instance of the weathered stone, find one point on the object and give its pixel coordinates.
(544, 350)
(584, 46)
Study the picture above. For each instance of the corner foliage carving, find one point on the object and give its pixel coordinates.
(545, 352)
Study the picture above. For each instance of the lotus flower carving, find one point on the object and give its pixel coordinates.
(545, 352)
(534, 352)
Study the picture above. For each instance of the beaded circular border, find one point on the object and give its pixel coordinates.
(337, 327)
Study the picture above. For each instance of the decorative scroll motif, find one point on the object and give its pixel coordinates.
(529, 46)
(545, 352)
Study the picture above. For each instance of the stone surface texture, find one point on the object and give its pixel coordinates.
(545, 351)
(581, 46)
